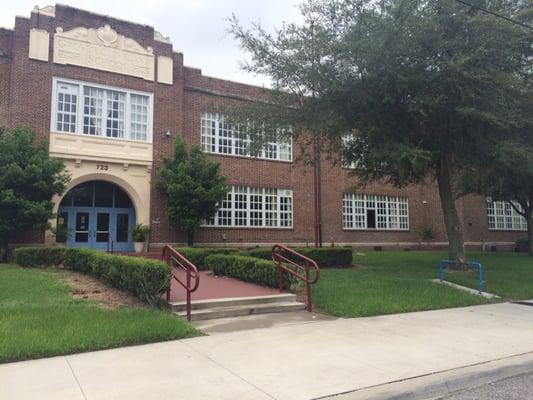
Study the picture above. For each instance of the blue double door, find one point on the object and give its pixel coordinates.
(98, 215)
(106, 229)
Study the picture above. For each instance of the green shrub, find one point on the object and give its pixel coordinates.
(39, 256)
(245, 268)
(146, 279)
(197, 255)
(521, 245)
(324, 256)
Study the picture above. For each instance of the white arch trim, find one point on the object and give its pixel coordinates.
(141, 213)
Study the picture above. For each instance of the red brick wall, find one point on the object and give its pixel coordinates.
(6, 38)
(177, 108)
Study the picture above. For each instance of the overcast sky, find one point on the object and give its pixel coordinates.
(196, 27)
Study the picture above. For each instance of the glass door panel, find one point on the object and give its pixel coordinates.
(102, 227)
(122, 227)
(82, 227)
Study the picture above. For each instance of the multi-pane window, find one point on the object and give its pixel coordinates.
(220, 137)
(502, 216)
(139, 117)
(362, 211)
(255, 207)
(93, 110)
(66, 107)
(101, 111)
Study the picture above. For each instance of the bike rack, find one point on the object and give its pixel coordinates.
(473, 264)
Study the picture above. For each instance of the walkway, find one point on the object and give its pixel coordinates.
(300, 361)
(217, 287)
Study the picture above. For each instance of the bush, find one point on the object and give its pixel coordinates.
(521, 245)
(39, 256)
(324, 256)
(245, 268)
(146, 279)
(197, 255)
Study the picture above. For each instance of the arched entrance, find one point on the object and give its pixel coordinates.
(98, 215)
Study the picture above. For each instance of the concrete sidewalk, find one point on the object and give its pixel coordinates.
(301, 361)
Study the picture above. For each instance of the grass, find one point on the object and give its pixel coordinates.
(394, 282)
(38, 318)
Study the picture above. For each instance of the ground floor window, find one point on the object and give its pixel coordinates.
(255, 207)
(363, 211)
(502, 216)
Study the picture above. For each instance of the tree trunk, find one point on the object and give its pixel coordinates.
(4, 247)
(454, 229)
(190, 237)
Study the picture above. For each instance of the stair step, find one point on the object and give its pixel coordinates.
(233, 301)
(238, 311)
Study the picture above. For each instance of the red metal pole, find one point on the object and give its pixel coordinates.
(281, 283)
(188, 294)
(315, 193)
(165, 259)
(308, 286)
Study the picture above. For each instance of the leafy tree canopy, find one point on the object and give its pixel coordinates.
(418, 84)
(29, 180)
(192, 186)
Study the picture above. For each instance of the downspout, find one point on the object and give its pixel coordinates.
(317, 194)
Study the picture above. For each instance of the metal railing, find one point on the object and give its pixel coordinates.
(473, 264)
(176, 260)
(298, 266)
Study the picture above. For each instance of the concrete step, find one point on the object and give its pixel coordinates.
(238, 311)
(233, 301)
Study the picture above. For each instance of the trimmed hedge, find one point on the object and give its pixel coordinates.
(197, 255)
(324, 256)
(39, 256)
(245, 268)
(146, 279)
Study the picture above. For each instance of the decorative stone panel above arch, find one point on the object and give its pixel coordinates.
(103, 49)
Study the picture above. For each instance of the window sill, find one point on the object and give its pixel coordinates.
(97, 148)
(508, 230)
(262, 228)
(83, 135)
(374, 230)
(247, 158)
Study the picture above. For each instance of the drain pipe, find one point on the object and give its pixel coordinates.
(317, 185)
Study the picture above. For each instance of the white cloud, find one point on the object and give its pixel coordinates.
(197, 28)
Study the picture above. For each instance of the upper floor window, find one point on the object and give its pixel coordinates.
(219, 137)
(255, 207)
(363, 211)
(502, 216)
(95, 110)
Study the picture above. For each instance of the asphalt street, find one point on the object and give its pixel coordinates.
(515, 388)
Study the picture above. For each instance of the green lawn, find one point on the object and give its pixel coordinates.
(393, 282)
(38, 318)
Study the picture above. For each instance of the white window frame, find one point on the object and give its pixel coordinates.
(276, 218)
(501, 216)
(208, 142)
(394, 212)
(80, 107)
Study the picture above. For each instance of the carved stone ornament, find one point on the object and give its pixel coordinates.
(160, 38)
(103, 49)
(50, 11)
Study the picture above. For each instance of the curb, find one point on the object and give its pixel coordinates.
(435, 386)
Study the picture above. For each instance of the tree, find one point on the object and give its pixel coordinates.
(504, 172)
(192, 186)
(419, 84)
(29, 180)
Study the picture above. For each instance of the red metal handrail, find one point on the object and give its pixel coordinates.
(175, 259)
(308, 264)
